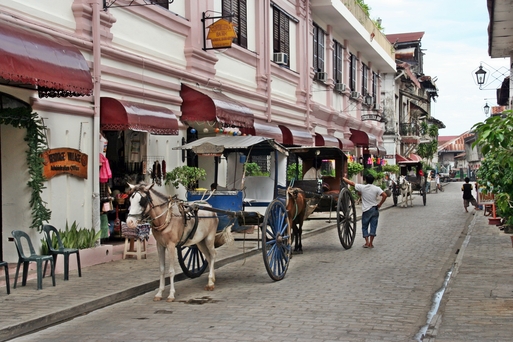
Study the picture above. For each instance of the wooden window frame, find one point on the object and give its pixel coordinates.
(239, 10)
(319, 48)
(281, 32)
(338, 62)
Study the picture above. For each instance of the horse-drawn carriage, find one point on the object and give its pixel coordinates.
(411, 178)
(321, 181)
(208, 216)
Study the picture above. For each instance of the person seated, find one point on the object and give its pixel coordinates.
(312, 173)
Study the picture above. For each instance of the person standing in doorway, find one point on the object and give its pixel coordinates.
(467, 195)
(370, 207)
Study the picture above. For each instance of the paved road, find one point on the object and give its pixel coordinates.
(329, 294)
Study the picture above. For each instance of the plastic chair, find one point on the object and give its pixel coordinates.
(48, 230)
(4, 264)
(32, 257)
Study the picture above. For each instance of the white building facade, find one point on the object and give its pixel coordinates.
(302, 72)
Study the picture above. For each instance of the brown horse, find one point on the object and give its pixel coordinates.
(174, 223)
(296, 212)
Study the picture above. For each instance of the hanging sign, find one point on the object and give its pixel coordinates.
(373, 117)
(64, 160)
(221, 34)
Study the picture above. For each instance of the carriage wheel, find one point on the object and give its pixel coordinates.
(394, 196)
(346, 218)
(423, 193)
(276, 240)
(192, 261)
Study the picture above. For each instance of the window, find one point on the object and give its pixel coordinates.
(352, 71)
(338, 58)
(365, 79)
(318, 48)
(281, 32)
(238, 9)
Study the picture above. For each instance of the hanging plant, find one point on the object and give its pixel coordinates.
(36, 141)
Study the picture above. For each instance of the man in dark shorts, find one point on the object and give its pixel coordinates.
(467, 195)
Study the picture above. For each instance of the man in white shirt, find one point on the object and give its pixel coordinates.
(370, 207)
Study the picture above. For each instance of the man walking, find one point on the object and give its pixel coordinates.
(467, 195)
(370, 207)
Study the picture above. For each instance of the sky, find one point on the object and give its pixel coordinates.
(456, 43)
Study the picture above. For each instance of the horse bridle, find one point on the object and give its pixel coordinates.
(149, 206)
(168, 203)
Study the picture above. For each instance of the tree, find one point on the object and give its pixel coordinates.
(494, 136)
(428, 150)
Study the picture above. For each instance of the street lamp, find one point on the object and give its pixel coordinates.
(486, 109)
(480, 76)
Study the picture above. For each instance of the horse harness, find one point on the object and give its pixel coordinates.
(187, 215)
(293, 194)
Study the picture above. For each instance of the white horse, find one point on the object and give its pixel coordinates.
(406, 192)
(172, 222)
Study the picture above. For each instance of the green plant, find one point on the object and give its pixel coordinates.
(494, 137)
(187, 176)
(36, 141)
(429, 149)
(291, 172)
(353, 169)
(390, 169)
(74, 237)
(252, 169)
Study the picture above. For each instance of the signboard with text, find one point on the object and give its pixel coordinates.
(64, 160)
(221, 34)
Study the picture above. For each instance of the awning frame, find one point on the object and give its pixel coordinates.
(204, 105)
(117, 115)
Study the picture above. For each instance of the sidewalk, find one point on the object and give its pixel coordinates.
(478, 301)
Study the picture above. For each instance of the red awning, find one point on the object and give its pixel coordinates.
(202, 105)
(326, 140)
(346, 145)
(296, 136)
(117, 115)
(400, 158)
(415, 157)
(363, 139)
(30, 57)
(267, 130)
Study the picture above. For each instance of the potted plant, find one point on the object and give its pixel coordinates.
(186, 176)
(86, 241)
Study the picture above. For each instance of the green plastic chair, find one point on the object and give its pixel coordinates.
(4, 264)
(25, 259)
(48, 230)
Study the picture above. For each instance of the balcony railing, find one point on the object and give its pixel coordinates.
(369, 25)
(409, 129)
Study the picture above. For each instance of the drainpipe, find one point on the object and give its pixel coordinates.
(308, 88)
(267, 59)
(96, 109)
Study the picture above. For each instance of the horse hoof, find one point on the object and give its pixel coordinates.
(169, 300)
(157, 299)
(209, 288)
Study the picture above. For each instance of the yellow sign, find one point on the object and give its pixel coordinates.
(221, 34)
(64, 160)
